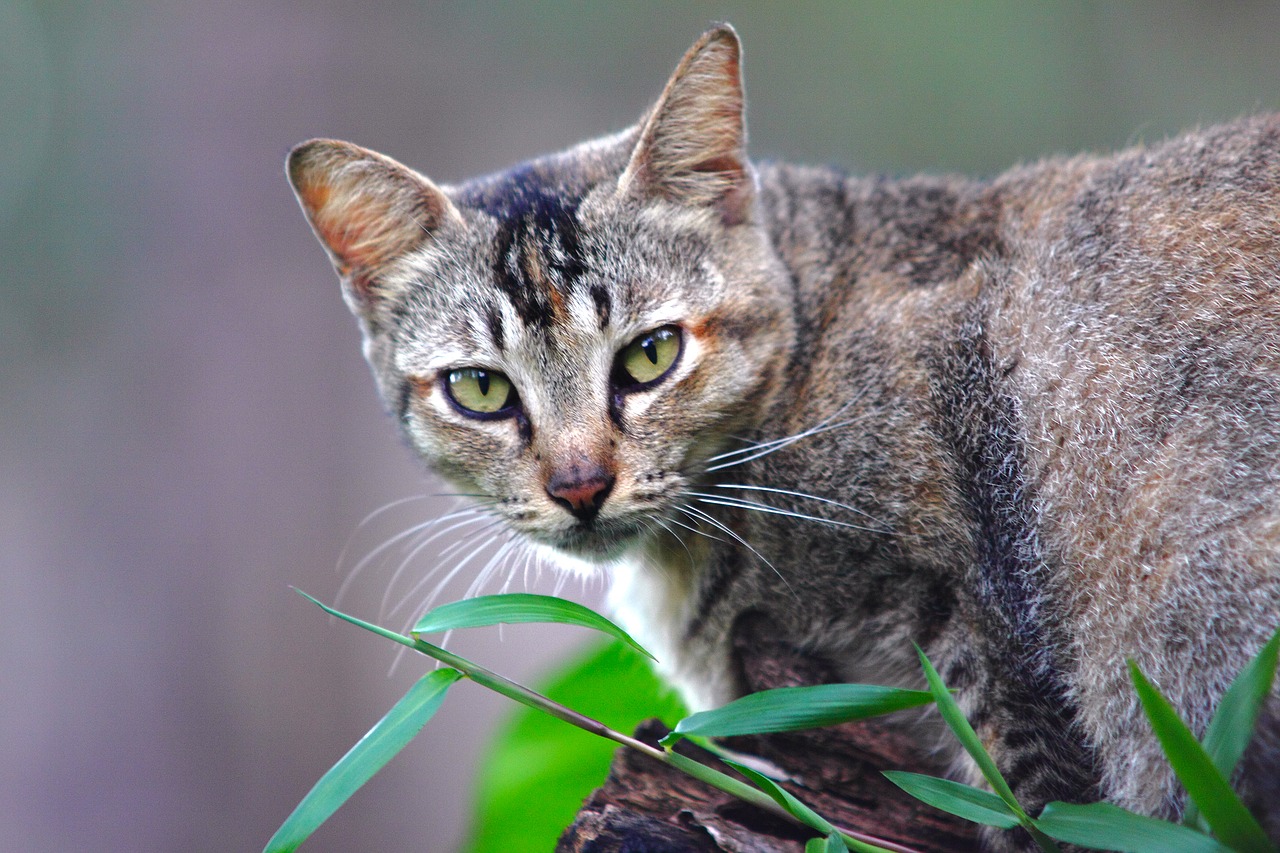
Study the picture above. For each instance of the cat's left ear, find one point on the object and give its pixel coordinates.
(367, 210)
(692, 145)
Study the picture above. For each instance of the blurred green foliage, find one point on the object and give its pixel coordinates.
(539, 770)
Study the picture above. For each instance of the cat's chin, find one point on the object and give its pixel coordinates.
(586, 551)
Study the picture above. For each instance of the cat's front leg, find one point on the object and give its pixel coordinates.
(1028, 725)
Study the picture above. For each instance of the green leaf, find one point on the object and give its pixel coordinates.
(968, 738)
(833, 843)
(1105, 826)
(1232, 726)
(963, 801)
(1207, 788)
(789, 708)
(359, 623)
(390, 735)
(783, 797)
(506, 687)
(535, 758)
(1233, 723)
(515, 608)
(797, 809)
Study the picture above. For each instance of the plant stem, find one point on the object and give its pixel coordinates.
(525, 696)
(497, 683)
(710, 776)
(514, 690)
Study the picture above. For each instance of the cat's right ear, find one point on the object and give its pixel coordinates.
(366, 209)
(692, 145)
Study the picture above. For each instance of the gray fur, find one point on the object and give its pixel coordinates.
(1037, 419)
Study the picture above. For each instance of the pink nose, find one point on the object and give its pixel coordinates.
(581, 489)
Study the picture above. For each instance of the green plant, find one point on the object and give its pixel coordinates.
(1216, 819)
(1218, 822)
(535, 759)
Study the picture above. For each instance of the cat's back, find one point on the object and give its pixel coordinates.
(1121, 317)
(1192, 221)
(1097, 364)
(1136, 313)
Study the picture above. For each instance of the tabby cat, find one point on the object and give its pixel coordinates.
(1032, 423)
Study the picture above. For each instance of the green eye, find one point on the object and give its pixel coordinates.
(479, 392)
(648, 358)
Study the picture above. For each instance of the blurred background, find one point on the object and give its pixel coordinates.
(187, 428)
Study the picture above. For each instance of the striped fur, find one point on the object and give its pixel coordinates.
(1032, 424)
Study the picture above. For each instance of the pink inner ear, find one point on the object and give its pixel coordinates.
(314, 196)
(361, 228)
(691, 150)
(722, 164)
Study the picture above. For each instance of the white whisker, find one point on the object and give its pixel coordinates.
(526, 555)
(470, 516)
(444, 582)
(483, 575)
(408, 533)
(741, 503)
(698, 530)
(803, 495)
(654, 520)
(764, 448)
(697, 513)
(477, 583)
(387, 507)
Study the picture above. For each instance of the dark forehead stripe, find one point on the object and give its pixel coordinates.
(493, 321)
(540, 218)
(604, 303)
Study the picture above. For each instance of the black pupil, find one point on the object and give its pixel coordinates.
(482, 380)
(650, 349)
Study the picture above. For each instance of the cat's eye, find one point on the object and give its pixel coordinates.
(648, 358)
(479, 392)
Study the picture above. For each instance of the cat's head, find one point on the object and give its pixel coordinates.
(573, 339)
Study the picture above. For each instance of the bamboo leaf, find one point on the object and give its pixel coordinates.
(833, 843)
(1206, 786)
(359, 623)
(390, 735)
(797, 809)
(724, 782)
(489, 679)
(1105, 826)
(961, 800)
(1233, 723)
(790, 708)
(518, 607)
(783, 797)
(767, 795)
(968, 738)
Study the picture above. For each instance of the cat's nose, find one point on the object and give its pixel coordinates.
(581, 489)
